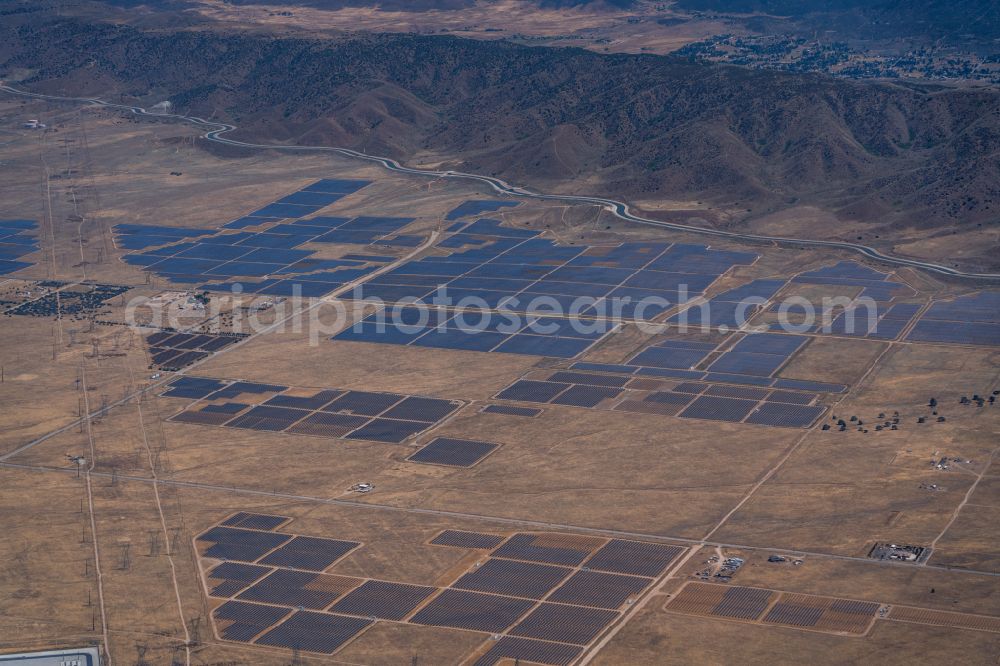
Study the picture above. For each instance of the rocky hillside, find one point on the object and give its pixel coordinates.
(635, 126)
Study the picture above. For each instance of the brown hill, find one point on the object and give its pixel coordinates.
(644, 126)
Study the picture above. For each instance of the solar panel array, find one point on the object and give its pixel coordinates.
(755, 360)
(822, 613)
(731, 309)
(229, 578)
(874, 284)
(564, 549)
(638, 558)
(383, 600)
(337, 413)
(599, 589)
(475, 611)
(475, 207)
(299, 588)
(717, 402)
(970, 320)
(554, 592)
(314, 632)
(217, 259)
(453, 452)
(513, 578)
(309, 553)
(230, 543)
(17, 239)
(254, 521)
(472, 540)
(772, 607)
(511, 410)
(565, 624)
(173, 351)
(241, 621)
(496, 267)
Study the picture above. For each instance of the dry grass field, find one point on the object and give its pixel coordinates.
(104, 495)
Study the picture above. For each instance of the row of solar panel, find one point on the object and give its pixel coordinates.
(795, 610)
(728, 378)
(583, 605)
(471, 331)
(17, 239)
(970, 320)
(380, 417)
(873, 284)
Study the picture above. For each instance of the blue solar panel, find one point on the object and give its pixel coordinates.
(18, 224)
(370, 332)
(273, 256)
(273, 241)
(453, 338)
(382, 224)
(806, 385)
(320, 199)
(605, 367)
(904, 311)
(970, 333)
(478, 282)
(213, 251)
(248, 268)
(694, 283)
(669, 372)
(337, 185)
(742, 363)
(847, 269)
(311, 265)
(431, 267)
(569, 327)
(140, 259)
(391, 293)
(591, 274)
(325, 221)
(544, 346)
(300, 288)
(680, 343)
(982, 307)
(660, 357)
(547, 286)
(225, 239)
(769, 343)
(888, 329)
(281, 210)
(10, 265)
(757, 289)
(750, 380)
(487, 227)
(478, 207)
(246, 222)
(185, 266)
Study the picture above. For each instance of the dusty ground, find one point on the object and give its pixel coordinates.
(146, 482)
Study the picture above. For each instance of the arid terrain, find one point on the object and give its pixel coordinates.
(111, 496)
(908, 167)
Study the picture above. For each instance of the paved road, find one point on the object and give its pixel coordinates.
(216, 130)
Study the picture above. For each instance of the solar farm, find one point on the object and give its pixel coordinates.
(264, 596)
(278, 408)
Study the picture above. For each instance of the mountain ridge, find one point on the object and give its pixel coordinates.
(636, 126)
